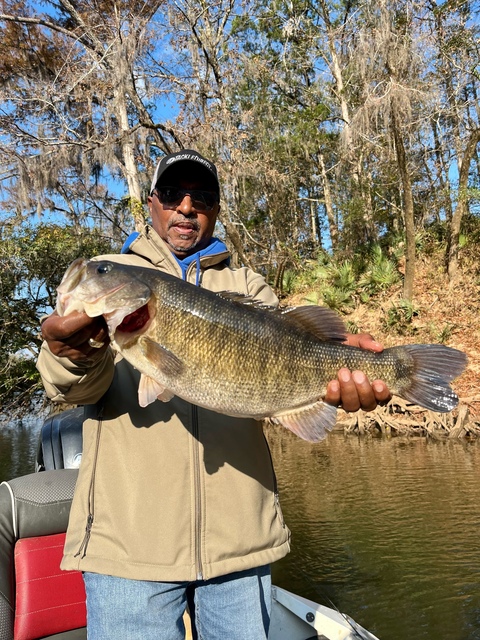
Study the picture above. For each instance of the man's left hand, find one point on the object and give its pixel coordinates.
(352, 389)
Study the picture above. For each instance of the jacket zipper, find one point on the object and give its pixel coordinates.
(196, 451)
(198, 494)
(276, 495)
(91, 495)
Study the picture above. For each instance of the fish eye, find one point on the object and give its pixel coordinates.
(104, 267)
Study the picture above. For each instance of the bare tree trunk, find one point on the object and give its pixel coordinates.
(236, 241)
(461, 208)
(442, 174)
(407, 205)
(313, 222)
(131, 170)
(332, 225)
(351, 154)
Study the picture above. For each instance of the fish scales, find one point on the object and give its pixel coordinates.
(278, 362)
(238, 359)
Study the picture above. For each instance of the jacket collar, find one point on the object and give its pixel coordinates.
(150, 246)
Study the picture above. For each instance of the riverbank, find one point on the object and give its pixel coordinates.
(400, 418)
(438, 314)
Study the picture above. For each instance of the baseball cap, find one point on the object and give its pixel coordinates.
(184, 156)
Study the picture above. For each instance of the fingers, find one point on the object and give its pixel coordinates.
(381, 392)
(363, 341)
(353, 391)
(69, 336)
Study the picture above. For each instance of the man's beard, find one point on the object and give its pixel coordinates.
(184, 249)
(181, 249)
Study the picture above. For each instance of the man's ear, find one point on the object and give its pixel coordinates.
(150, 204)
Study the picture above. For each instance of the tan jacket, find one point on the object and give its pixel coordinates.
(171, 492)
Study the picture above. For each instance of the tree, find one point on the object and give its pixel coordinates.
(74, 95)
(32, 262)
(456, 31)
(334, 125)
(462, 206)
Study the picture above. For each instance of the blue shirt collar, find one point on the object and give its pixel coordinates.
(214, 246)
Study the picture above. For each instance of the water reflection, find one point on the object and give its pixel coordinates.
(385, 529)
(18, 447)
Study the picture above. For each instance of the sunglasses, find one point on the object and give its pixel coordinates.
(201, 200)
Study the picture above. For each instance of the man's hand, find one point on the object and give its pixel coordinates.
(69, 336)
(352, 389)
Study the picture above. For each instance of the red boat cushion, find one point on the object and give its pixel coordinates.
(48, 600)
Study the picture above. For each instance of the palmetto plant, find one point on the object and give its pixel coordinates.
(340, 285)
(400, 315)
(381, 273)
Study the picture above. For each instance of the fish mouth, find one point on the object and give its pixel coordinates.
(75, 293)
(135, 321)
(93, 301)
(70, 301)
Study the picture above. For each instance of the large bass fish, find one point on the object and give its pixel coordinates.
(224, 352)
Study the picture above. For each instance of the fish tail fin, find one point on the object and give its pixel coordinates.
(434, 367)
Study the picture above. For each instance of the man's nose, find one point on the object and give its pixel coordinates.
(185, 206)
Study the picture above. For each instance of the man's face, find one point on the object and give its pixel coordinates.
(183, 221)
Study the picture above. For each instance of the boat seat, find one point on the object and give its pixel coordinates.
(61, 441)
(37, 600)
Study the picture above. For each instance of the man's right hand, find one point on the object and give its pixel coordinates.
(72, 336)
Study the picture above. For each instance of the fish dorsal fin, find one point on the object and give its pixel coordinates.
(234, 296)
(310, 423)
(324, 323)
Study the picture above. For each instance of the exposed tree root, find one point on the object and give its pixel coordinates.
(399, 417)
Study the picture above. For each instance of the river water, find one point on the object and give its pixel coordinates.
(386, 530)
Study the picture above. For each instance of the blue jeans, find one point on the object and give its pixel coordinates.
(236, 606)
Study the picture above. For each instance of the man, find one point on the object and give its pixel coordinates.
(173, 496)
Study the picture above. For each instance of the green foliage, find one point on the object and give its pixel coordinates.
(308, 276)
(400, 316)
(462, 241)
(471, 231)
(343, 276)
(313, 298)
(20, 384)
(432, 238)
(380, 273)
(339, 285)
(446, 332)
(288, 281)
(337, 298)
(32, 262)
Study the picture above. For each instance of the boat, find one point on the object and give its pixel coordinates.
(38, 600)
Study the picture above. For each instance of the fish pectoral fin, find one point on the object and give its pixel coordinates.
(160, 358)
(310, 422)
(166, 395)
(150, 390)
(166, 363)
